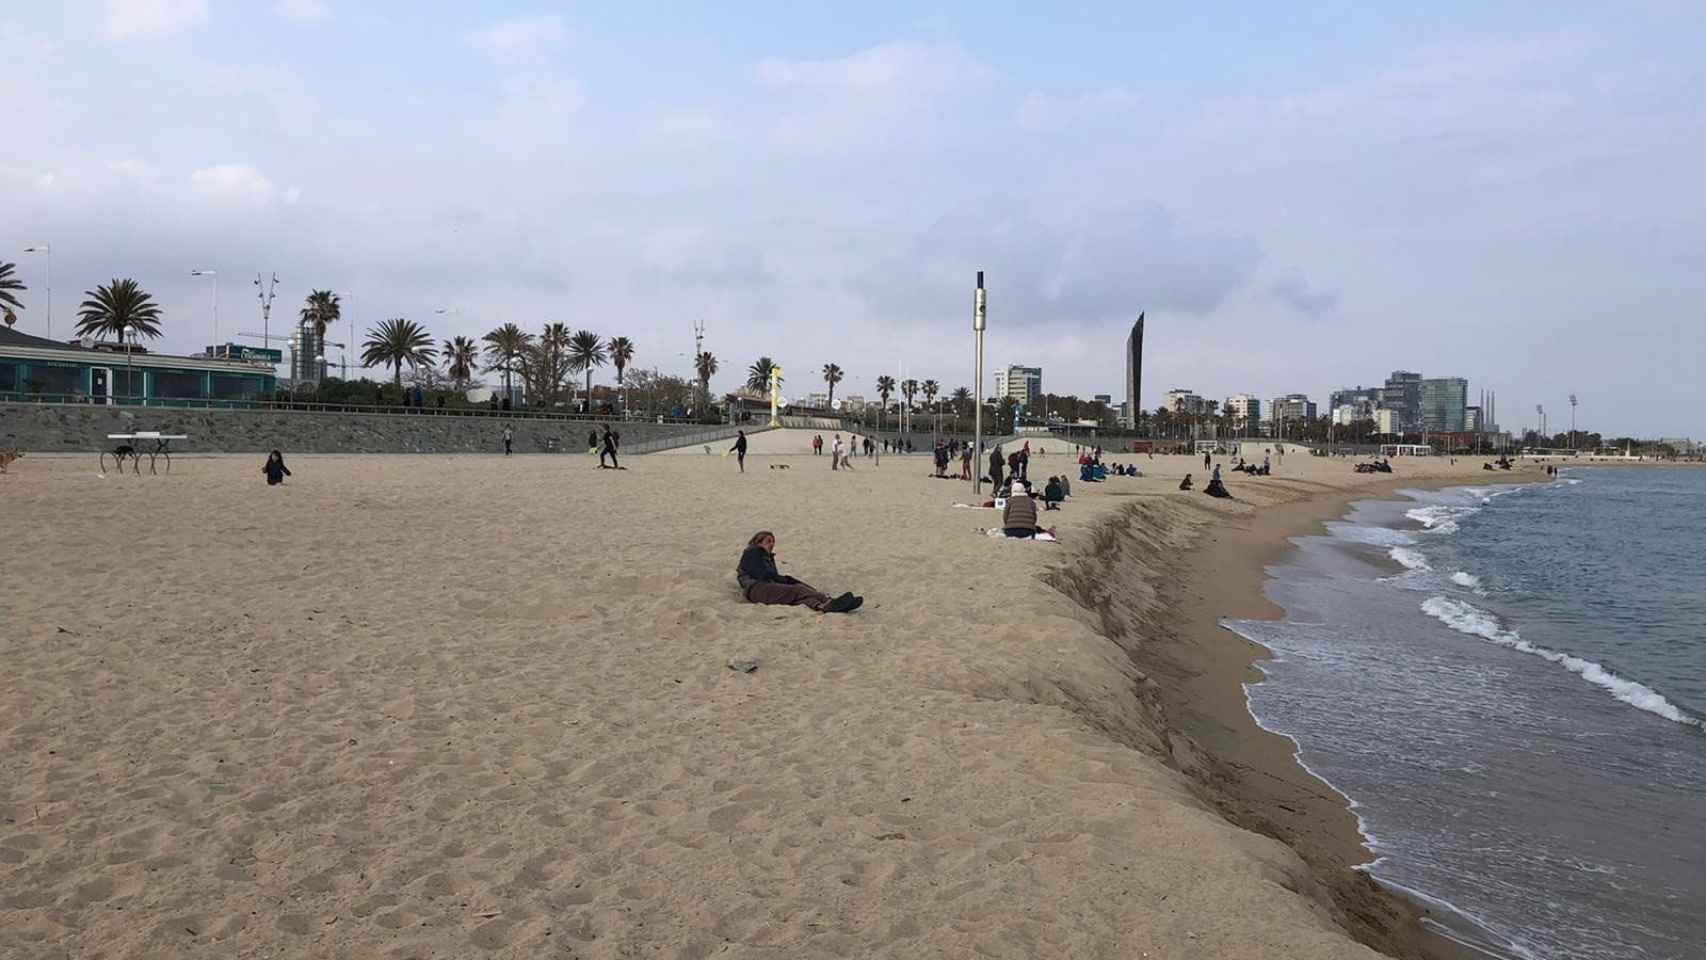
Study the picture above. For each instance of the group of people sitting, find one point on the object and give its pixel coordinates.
(1375, 466)
(1252, 469)
(1503, 463)
(1091, 469)
(1214, 489)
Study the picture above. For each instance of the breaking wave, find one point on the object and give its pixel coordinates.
(1469, 619)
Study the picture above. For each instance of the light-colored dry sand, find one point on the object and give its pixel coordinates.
(477, 706)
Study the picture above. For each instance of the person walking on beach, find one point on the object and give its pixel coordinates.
(835, 453)
(817, 445)
(760, 582)
(508, 437)
(1206, 461)
(996, 462)
(739, 449)
(965, 462)
(275, 469)
(608, 449)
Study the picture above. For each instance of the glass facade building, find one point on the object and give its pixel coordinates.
(41, 370)
(1441, 403)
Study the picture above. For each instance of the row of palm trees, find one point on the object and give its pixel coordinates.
(122, 308)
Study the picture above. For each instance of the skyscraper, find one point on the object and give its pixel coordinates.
(1023, 384)
(1441, 404)
(1134, 368)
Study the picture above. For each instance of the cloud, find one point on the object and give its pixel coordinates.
(901, 64)
(1296, 293)
(237, 184)
(1054, 269)
(302, 11)
(135, 19)
(878, 98)
(1041, 112)
(520, 35)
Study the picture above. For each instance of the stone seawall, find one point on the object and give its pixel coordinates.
(70, 428)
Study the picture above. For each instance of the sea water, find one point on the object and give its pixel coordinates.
(1509, 684)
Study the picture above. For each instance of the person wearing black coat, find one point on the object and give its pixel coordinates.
(760, 582)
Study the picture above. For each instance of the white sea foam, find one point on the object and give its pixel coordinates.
(1469, 580)
(1412, 559)
(1467, 618)
(1370, 534)
(1440, 517)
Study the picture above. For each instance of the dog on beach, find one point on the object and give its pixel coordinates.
(7, 456)
(778, 466)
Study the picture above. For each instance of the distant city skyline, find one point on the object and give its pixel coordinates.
(1522, 211)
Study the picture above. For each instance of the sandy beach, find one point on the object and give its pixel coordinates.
(479, 706)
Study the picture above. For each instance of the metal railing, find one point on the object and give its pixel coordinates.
(301, 406)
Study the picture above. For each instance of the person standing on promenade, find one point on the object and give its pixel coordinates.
(508, 437)
(739, 449)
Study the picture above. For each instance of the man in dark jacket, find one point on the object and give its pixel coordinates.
(996, 463)
(739, 449)
(761, 583)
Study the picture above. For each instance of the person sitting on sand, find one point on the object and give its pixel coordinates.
(1019, 517)
(1217, 489)
(1052, 494)
(1185, 484)
(275, 469)
(761, 583)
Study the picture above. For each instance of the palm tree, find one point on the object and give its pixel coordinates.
(961, 400)
(758, 375)
(554, 344)
(621, 355)
(885, 389)
(705, 364)
(396, 342)
(832, 376)
(504, 347)
(459, 356)
(114, 306)
(931, 388)
(8, 283)
(586, 351)
(319, 312)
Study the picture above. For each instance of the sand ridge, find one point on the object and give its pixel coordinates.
(477, 706)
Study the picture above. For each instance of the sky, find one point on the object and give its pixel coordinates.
(1298, 196)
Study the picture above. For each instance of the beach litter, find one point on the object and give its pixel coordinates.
(743, 666)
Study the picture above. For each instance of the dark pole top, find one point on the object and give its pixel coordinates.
(980, 279)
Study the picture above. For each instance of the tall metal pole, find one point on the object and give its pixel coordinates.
(978, 321)
(215, 275)
(46, 248)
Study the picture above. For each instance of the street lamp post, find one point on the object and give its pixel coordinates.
(349, 297)
(978, 322)
(46, 248)
(129, 370)
(215, 275)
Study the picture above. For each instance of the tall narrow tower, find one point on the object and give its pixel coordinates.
(1134, 369)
